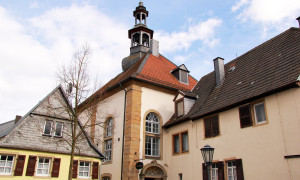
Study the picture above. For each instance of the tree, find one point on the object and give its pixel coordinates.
(75, 79)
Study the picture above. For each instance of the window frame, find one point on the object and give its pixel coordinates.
(233, 168)
(255, 114)
(89, 169)
(12, 164)
(108, 150)
(176, 107)
(106, 138)
(210, 119)
(180, 135)
(50, 134)
(252, 114)
(37, 166)
(153, 135)
(61, 131)
(187, 76)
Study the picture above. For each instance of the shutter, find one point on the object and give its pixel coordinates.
(239, 169)
(207, 124)
(20, 165)
(75, 167)
(215, 126)
(204, 172)
(95, 170)
(220, 167)
(245, 116)
(56, 166)
(31, 166)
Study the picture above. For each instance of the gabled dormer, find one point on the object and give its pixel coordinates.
(181, 73)
(183, 102)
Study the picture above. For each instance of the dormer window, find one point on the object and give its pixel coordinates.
(179, 107)
(181, 73)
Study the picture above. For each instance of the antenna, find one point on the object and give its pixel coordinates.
(70, 87)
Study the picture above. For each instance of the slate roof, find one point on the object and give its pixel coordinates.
(150, 69)
(9, 126)
(271, 67)
(4, 127)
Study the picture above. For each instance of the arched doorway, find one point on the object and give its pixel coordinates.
(153, 171)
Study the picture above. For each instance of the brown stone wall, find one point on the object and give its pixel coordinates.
(132, 132)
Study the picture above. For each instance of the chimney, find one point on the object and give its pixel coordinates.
(298, 19)
(17, 118)
(219, 70)
(154, 47)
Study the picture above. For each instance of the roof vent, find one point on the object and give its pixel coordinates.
(232, 68)
(298, 19)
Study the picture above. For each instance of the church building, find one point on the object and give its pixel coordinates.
(157, 117)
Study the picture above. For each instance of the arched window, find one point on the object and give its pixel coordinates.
(152, 139)
(136, 40)
(109, 127)
(145, 40)
(108, 138)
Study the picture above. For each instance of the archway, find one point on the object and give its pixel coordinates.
(153, 171)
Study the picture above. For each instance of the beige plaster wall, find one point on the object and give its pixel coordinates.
(262, 148)
(111, 107)
(162, 103)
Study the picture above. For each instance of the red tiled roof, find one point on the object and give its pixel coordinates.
(158, 70)
(151, 69)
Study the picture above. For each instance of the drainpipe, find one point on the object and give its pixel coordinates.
(125, 91)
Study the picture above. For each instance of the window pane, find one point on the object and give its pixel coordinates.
(185, 141)
(180, 108)
(152, 123)
(176, 143)
(58, 129)
(109, 127)
(48, 126)
(260, 115)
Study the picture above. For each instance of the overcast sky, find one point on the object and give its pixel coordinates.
(38, 36)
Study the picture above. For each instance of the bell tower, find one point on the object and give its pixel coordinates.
(141, 37)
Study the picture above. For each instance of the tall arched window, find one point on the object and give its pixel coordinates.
(108, 138)
(152, 139)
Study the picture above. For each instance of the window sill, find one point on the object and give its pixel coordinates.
(106, 162)
(152, 157)
(48, 135)
(57, 136)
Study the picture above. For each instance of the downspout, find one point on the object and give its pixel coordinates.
(123, 140)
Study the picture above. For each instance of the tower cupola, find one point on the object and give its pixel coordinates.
(141, 38)
(140, 35)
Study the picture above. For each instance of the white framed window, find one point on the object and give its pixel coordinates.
(107, 150)
(58, 129)
(109, 127)
(43, 167)
(152, 123)
(6, 164)
(152, 146)
(48, 127)
(214, 172)
(259, 113)
(231, 170)
(84, 169)
(106, 178)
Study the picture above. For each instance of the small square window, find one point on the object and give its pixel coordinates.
(259, 111)
(58, 129)
(48, 127)
(84, 169)
(43, 167)
(181, 143)
(6, 164)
